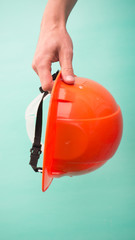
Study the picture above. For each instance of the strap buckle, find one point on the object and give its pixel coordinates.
(35, 151)
(35, 154)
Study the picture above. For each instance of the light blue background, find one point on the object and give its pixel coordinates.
(100, 205)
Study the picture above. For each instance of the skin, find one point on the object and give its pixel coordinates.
(54, 43)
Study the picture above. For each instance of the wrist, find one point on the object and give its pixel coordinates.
(54, 15)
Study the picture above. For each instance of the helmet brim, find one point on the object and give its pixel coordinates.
(50, 138)
(46, 180)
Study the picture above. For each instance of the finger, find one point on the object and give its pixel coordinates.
(45, 76)
(65, 59)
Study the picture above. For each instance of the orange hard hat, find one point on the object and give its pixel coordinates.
(84, 129)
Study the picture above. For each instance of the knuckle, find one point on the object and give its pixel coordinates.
(68, 52)
(66, 68)
(33, 66)
(36, 61)
(46, 86)
(41, 61)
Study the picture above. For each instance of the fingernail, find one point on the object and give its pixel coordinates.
(69, 79)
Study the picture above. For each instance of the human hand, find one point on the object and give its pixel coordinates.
(54, 45)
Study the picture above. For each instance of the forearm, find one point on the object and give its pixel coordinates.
(56, 13)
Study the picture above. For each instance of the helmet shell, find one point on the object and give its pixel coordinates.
(84, 129)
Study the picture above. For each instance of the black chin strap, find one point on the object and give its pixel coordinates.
(36, 147)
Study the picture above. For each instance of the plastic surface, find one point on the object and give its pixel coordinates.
(84, 129)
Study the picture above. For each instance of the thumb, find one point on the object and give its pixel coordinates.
(65, 59)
